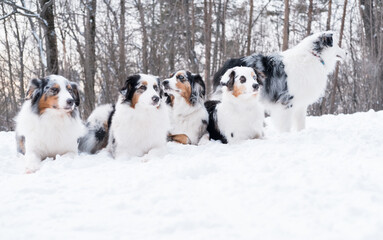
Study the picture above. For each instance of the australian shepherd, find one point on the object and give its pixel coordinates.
(136, 126)
(295, 78)
(239, 115)
(188, 116)
(48, 122)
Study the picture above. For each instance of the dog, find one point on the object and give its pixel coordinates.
(136, 126)
(295, 78)
(239, 115)
(48, 123)
(188, 116)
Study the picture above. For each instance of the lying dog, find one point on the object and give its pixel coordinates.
(48, 122)
(188, 116)
(137, 125)
(239, 115)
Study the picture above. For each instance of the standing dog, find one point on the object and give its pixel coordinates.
(295, 78)
(48, 122)
(137, 125)
(239, 115)
(188, 116)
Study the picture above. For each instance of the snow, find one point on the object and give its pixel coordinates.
(325, 182)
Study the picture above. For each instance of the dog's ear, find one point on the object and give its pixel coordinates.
(35, 89)
(198, 88)
(127, 91)
(327, 39)
(261, 77)
(160, 87)
(76, 93)
(228, 79)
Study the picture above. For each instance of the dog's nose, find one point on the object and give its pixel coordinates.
(155, 99)
(166, 82)
(255, 86)
(70, 101)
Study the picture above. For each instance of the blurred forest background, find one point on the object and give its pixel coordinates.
(98, 43)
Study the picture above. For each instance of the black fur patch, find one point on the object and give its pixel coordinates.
(129, 88)
(197, 86)
(75, 93)
(325, 40)
(212, 126)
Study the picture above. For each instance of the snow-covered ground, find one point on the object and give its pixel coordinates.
(325, 182)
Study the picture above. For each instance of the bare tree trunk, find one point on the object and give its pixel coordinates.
(50, 35)
(21, 45)
(121, 40)
(10, 70)
(286, 26)
(217, 35)
(309, 17)
(328, 23)
(90, 56)
(368, 18)
(207, 31)
(145, 40)
(333, 91)
(190, 38)
(285, 44)
(223, 39)
(249, 28)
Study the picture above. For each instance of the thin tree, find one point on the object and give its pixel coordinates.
(328, 22)
(285, 44)
(249, 28)
(121, 40)
(309, 17)
(335, 86)
(207, 31)
(47, 13)
(90, 56)
(145, 41)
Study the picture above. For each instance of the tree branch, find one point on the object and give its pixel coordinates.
(26, 12)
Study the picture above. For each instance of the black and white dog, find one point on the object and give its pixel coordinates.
(188, 116)
(48, 123)
(295, 78)
(137, 125)
(239, 115)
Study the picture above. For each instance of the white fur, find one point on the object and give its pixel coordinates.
(52, 133)
(97, 118)
(306, 79)
(140, 130)
(185, 118)
(242, 115)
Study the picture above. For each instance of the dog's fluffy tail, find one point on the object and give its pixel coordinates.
(98, 125)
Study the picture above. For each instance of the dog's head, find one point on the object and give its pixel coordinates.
(325, 45)
(242, 82)
(186, 85)
(142, 91)
(53, 93)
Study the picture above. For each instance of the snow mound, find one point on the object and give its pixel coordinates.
(325, 182)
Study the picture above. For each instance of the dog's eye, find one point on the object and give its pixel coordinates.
(181, 78)
(143, 87)
(55, 90)
(255, 77)
(155, 87)
(242, 79)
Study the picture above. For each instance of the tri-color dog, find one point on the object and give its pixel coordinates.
(239, 115)
(188, 116)
(48, 123)
(137, 125)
